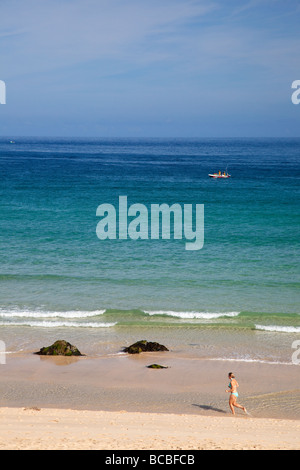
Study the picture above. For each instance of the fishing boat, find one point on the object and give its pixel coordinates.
(220, 175)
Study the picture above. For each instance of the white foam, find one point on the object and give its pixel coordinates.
(57, 324)
(282, 329)
(27, 313)
(261, 361)
(191, 315)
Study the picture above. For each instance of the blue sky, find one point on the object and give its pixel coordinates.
(140, 68)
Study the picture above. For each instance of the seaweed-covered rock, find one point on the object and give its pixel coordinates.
(145, 346)
(60, 348)
(156, 366)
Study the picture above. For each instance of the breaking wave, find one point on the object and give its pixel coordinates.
(280, 329)
(191, 315)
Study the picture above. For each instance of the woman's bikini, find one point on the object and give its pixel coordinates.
(233, 393)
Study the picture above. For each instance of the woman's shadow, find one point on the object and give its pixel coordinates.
(209, 408)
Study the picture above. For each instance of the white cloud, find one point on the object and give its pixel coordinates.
(133, 58)
(59, 34)
(39, 36)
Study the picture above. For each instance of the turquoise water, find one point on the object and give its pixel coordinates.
(55, 272)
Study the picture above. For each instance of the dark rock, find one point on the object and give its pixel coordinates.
(60, 348)
(157, 366)
(145, 346)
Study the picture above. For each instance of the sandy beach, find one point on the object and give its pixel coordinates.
(149, 192)
(118, 403)
(50, 429)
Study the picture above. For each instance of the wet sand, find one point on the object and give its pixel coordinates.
(123, 382)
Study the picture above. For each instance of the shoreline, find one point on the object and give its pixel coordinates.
(189, 385)
(114, 402)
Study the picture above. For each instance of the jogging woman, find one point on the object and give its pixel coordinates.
(233, 385)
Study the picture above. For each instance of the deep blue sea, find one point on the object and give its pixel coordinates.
(55, 272)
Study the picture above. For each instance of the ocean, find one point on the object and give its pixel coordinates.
(57, 278)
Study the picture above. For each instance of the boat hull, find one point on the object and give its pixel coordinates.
(219, 176)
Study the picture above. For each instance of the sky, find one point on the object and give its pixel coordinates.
(149, 68)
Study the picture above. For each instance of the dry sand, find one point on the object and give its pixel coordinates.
(42, 429)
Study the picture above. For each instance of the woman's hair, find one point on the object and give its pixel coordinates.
(231, 375)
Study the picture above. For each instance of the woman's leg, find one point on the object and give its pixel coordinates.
(234, 403)
(232, 398)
